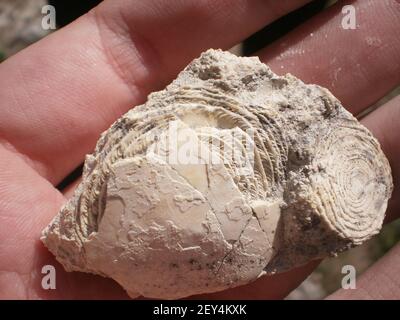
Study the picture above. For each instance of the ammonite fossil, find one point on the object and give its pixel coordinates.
(229, 173)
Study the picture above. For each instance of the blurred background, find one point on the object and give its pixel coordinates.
(21, 25)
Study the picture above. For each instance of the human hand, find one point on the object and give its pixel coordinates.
(58, 95)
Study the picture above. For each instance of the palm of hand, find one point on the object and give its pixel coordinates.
(53, 110)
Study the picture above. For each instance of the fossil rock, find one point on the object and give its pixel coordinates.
(230, 173)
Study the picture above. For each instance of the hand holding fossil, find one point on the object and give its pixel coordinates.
(53, 111)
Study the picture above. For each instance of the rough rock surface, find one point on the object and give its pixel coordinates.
(230, 173)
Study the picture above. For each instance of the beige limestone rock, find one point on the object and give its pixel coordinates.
(230, 173)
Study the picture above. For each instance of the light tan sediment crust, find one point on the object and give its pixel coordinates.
(265, 174)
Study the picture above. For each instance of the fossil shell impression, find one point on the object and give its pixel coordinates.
(230, 173)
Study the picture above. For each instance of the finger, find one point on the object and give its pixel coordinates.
(384, 124)
(272, 287)
(381, 281)
(27, 204)
(59, 94)
(359, 66)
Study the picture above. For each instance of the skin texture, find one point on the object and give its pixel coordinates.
(59, 94)
(318, 183)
